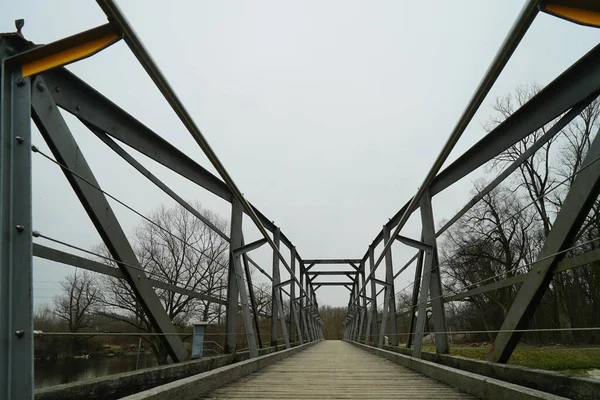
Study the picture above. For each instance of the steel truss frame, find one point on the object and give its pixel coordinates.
(32, 87)
(564, 98)
(39, 96)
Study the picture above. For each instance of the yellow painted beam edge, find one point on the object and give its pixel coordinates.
(68, 56)
(578, 15)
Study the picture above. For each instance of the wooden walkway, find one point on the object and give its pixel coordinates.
(334, 369)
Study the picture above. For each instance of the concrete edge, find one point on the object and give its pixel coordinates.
(127, 383)
(558, 383)
(198, 385)
(477, 385)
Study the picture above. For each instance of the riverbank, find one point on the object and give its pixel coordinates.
(581, 361)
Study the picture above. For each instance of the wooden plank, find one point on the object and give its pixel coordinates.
(336, 369)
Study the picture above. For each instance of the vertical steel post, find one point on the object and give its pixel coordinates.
(430, 284)
(16, 303)
(277, 304)
(294, 310)
(293, 337)
(575, 208)
(389, 302)
(309, 336)
(252, 300)
(80, 176)
(232, 310)
(236, 242)
(361, 298)
(373, 316)
(391, 293)
(415, 297)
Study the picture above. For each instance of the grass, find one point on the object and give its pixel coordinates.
(559, 358)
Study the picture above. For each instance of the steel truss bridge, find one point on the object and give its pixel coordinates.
(36, 87)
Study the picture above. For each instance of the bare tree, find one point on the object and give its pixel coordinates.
(78, 303)
(491, 243)
(178, 249)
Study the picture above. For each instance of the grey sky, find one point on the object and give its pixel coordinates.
(327, 114)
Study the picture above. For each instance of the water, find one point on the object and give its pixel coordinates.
(50, 373)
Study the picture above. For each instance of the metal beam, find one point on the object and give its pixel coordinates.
(54, 129)
(430, 285)
(580, 198)
(331, 283)
(521, 25)
(66, 50)
(92, 108)
(380, 282)
(252, 300)
(116, 16)
(62, 257)
(262, 271)
(415, 295)
(330, 272)
(551, 133)
(249, 247)
(152, 178)
(285, 283)
(236, 278)
(16, 302)
(372, 317)
(276, 300)
(412, 242)
(389, 308)
(332, 261)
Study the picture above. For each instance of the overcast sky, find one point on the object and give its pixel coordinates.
(327, 114)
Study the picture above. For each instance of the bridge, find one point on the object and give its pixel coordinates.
(375, 359)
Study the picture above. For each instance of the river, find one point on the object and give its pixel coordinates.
(50, 373)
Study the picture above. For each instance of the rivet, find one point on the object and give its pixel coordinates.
(20, 228)
(40, 86)
(77, 108)
(19, 334)
(20, 81)
(56, 89)
(19, 139)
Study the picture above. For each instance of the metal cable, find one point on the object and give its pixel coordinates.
(42, 333)
(590, 329)
(183, 241)
(38, 234)
(518, 212)
(36, 150)
(473, 285)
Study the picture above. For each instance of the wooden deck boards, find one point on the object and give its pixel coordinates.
(336, 370)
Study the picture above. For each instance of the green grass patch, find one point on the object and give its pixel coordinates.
(567, 359)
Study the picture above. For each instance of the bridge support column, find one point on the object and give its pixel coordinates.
(16, 303)
(372, 320)
(236, 287)
(361, 298)
(294, 328)
(415, 297)
(431, 285)
(581, 197)
(277, 315)
(64, 147)
(389, 303)
(252, 301)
